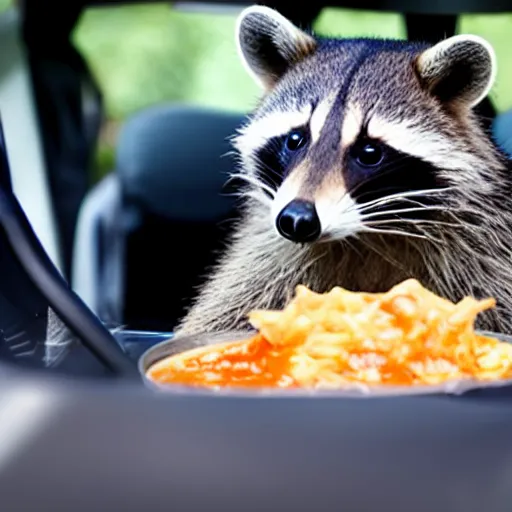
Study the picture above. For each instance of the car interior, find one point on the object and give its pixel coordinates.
(87, 266)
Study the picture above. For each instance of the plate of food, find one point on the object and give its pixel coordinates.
(405, 341)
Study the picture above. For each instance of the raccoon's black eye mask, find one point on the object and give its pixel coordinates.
(373, 170)
(279, 154)
(366, 153)
(282, 152)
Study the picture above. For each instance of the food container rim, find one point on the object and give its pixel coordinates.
(178, 344)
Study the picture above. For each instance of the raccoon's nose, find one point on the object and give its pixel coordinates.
(298, 221)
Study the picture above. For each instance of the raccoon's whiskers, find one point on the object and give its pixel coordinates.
(365, 215)
(255, 182)
(403, 195)
(404, 221)
(254, 194)
(415, 222)
(367, 229)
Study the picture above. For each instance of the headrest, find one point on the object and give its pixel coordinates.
(502, 131)
(173, 161)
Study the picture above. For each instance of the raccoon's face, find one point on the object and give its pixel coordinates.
(352, 136)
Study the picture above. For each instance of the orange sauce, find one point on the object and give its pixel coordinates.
(391, 373)
(407, 336)
(256, 363)
(251, 363)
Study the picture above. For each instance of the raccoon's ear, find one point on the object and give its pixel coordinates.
(269, 44)
(459, 69)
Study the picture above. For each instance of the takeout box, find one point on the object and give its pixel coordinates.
(181, 344)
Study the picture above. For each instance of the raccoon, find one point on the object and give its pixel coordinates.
(365, 164)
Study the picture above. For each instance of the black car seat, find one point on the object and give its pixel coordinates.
(149, 231)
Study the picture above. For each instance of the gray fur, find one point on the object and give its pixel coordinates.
(465, 249)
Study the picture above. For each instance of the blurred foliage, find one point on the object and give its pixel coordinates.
(143, 55)
(5, 4)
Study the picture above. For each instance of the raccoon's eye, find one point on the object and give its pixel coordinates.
(368, 154)
(295, 140)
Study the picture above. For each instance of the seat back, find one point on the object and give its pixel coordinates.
(173, 164)
(149, 233)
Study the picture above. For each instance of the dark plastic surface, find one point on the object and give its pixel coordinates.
(79, 362)
(113, 447)
(136, 343)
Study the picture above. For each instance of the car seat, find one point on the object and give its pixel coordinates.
(502, 131)
(148, 232)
